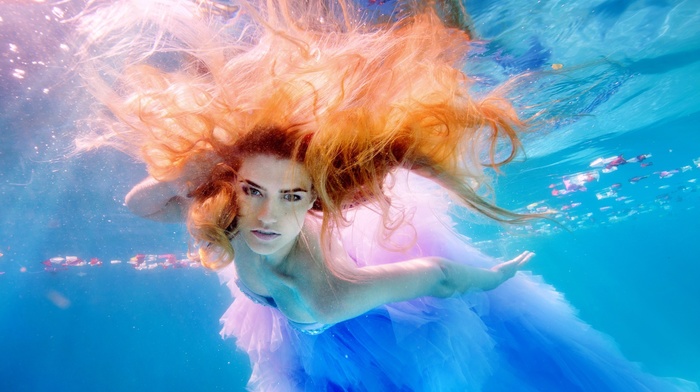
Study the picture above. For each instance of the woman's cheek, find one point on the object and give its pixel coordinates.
(300, 213)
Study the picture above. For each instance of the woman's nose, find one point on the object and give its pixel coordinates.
(267, 213)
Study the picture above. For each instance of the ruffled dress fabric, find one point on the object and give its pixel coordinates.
(521, 336)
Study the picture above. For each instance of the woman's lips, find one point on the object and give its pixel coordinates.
(265, 235)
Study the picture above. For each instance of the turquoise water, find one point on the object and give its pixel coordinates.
(627, 259)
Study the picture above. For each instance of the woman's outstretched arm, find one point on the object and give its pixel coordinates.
(156, 200)
(428, 276)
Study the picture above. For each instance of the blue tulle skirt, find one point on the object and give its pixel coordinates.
(522, 336)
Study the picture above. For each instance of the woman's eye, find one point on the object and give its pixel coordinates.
(291, 197)
(251, 191)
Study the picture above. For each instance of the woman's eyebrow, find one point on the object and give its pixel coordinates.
(262, 188)
(294, 190)
(254, 185)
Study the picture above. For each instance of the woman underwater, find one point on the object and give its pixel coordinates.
(308, 145)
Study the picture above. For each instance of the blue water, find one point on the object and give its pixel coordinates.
(629, 262)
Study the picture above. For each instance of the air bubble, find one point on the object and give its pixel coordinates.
(58, 12)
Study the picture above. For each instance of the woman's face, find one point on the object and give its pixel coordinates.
(274, 196)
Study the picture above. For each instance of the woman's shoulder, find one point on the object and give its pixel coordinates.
(309, 247)
(326, 255)
(314, 256)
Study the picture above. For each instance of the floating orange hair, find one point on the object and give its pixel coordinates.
(366, 94)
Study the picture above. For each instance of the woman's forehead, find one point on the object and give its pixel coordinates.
(273, 173)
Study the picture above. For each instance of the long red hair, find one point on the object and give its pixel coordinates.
(360, 96)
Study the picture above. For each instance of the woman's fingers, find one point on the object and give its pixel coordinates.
(510, 267)
(523, 258)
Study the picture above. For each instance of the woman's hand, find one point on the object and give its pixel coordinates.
(168, 201)
(508, 269)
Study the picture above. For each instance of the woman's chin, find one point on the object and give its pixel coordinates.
(265, 248)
